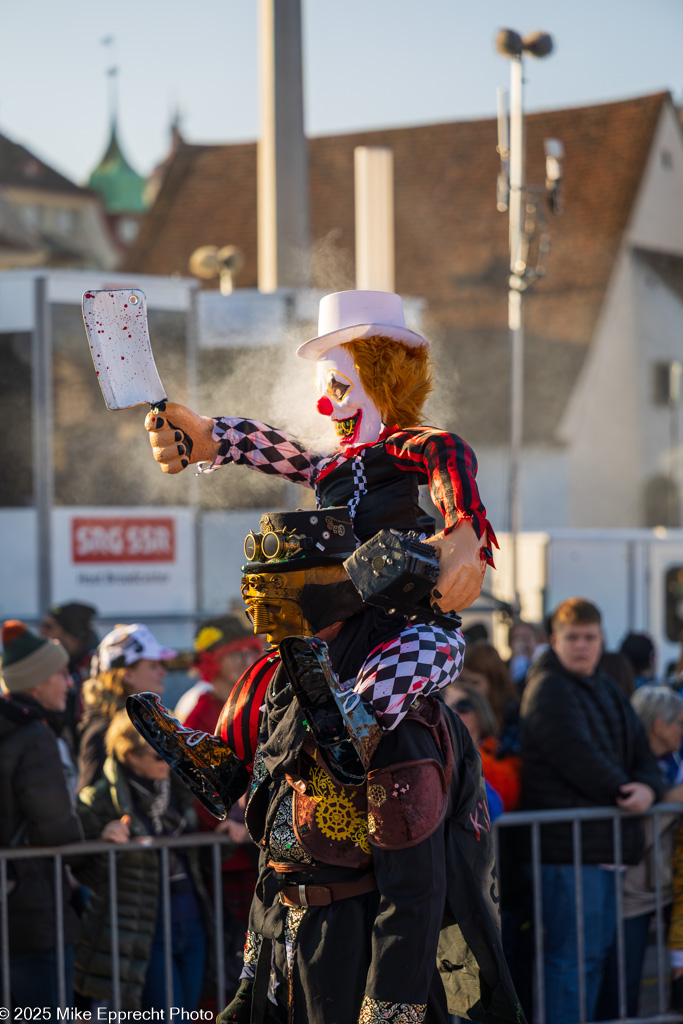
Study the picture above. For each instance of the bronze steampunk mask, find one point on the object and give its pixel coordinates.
(293, 550)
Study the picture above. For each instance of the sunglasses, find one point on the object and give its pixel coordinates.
(463, 705)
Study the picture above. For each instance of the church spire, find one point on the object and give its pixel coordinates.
(121, 187)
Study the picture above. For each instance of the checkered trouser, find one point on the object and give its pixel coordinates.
(421, 659)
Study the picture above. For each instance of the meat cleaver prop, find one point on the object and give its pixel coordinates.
(116, 325)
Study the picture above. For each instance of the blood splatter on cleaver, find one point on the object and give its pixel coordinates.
(116, 324)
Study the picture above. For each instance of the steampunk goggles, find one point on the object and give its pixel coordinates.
(278, 544)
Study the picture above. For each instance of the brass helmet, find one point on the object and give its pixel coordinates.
(292, 550)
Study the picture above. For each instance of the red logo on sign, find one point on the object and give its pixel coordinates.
(129, 539)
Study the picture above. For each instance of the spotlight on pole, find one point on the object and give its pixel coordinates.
(509, 43)
(529, 241)
(538, 44)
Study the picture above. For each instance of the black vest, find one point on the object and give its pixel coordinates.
(378, 493)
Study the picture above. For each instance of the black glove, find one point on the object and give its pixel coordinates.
(239, 1010)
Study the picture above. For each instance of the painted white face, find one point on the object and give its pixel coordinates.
(355, 417)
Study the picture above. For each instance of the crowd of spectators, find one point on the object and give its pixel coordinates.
(560, 724)
(74, 768)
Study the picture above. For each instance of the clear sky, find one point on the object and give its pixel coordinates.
(368, 63)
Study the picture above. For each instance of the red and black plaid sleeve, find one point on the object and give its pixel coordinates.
(238, 724)
(449, 465)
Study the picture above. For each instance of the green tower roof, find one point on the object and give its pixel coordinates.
(119, 185)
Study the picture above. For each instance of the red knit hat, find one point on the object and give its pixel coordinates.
(28, 659)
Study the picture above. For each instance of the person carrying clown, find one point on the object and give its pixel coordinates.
(396, 858)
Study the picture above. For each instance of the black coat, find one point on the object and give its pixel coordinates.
(581, 741)
(35, 810)
(92, 729)
(429, 934)
(138, 876)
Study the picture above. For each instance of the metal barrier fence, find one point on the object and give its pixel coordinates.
(534, 821)
(75, 851)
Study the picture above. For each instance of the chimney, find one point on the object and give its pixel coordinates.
(374, 186)
(283, 214)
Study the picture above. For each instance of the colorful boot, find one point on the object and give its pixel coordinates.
(204, 762)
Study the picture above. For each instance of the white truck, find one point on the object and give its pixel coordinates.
(635, 577)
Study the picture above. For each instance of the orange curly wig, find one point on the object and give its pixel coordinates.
(397, 378)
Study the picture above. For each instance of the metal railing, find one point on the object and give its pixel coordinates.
(533, 821)
(61, 855)
(576, 817)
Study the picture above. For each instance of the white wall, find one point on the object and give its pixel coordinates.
(601, 423)
(659, 328)
(657, 217)
(543, 485)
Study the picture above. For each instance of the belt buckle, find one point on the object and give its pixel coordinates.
(287, 902)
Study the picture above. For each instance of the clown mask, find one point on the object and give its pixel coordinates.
(356, 418)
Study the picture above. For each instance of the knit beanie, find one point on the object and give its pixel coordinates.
(28, 659)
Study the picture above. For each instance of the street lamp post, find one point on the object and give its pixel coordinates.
(525, 221)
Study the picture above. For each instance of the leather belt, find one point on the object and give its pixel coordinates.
(323, 895)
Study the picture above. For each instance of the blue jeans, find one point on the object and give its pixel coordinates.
(188, 953)
(559, 923)
(33, 978)
(636, 933)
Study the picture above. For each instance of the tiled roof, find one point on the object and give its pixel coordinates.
(451, 242)
(19, 168)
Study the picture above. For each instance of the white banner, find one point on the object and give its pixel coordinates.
(127, 562)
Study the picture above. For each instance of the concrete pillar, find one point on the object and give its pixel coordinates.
(374, 188)
(283, 210)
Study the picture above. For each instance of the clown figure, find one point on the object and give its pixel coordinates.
(372, 378)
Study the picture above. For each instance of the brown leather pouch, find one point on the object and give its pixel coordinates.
(406, 803)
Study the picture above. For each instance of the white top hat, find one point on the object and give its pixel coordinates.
(348, 316)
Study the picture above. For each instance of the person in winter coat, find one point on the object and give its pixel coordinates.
(35, 810)
(660, 709)
(223, 649)
(135, 798)
(501, 770)
(71, 624)
(128, 660)
(583, 745)
(489, 674)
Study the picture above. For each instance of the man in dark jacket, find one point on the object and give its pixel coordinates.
(582, 746)
(35, 810)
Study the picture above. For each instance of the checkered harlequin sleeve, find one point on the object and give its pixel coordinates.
(449, 465)
(250, 443)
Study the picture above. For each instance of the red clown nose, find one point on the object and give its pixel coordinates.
(324, 406)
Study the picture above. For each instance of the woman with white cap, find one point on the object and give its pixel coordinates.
(128, 660)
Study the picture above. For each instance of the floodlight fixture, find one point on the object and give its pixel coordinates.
(538, 44)
(210, 261)
(509, 43)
